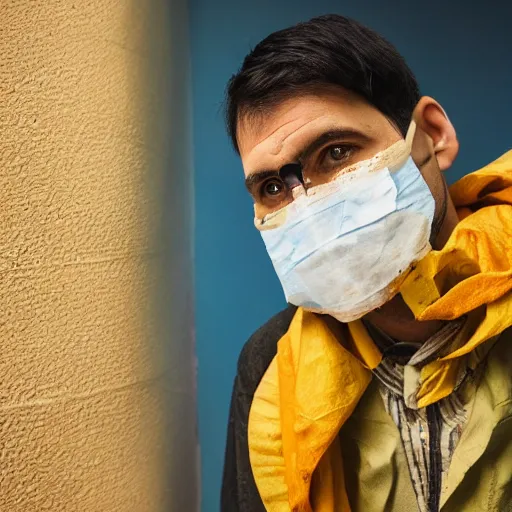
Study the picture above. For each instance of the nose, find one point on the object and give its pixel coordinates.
(291, 174)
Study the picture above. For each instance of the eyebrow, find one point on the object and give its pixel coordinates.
(330, 135)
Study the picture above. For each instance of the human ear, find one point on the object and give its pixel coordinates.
(433, 121)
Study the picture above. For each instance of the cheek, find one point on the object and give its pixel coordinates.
(424, 157)
(260, 211)
(435, 181)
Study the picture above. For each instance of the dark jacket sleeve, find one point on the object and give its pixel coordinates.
(239, 492)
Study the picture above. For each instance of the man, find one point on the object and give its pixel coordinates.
(385, 385)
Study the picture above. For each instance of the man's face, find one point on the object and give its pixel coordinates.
(333, 129)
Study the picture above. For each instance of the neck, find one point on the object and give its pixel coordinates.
(395, 318)
(398, 322)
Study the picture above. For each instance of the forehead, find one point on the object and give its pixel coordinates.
(270, 139)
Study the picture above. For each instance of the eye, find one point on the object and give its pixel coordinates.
(273, 188)
(338, 153)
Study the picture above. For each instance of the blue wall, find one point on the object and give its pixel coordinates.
(459, 56)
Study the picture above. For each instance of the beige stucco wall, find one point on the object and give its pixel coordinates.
(96, 369)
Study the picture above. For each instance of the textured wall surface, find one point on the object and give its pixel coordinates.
(96, 371)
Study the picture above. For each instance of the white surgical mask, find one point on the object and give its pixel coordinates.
(344, 248)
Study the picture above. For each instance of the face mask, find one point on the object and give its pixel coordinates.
(345, 247)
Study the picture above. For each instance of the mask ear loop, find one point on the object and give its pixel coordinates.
(409, 137)
(436, 223)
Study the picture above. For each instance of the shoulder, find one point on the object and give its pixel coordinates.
(260, 349)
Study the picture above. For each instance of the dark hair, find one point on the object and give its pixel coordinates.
(325, 51)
